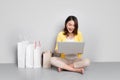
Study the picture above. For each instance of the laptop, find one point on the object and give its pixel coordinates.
(70, 47)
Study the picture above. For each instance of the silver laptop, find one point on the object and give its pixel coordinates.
(70, 47)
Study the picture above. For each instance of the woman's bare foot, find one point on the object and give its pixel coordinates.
(71, 65)
(80, 70)
(59, 69)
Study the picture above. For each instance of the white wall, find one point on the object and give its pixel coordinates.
(99, 21)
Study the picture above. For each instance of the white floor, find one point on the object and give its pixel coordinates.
(96, 71)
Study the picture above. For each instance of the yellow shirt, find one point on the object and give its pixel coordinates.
(62, 38)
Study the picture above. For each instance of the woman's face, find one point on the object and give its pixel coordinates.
(70, 26)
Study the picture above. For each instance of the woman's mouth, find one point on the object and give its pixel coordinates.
(69, 29)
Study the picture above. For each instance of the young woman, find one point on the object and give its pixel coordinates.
(71, 62)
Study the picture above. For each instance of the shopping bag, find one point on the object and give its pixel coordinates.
(46, 56)
(21, 53)
(29, 55)
(37, 55)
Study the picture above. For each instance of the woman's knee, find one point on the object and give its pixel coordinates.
(87, 62)
(53, 59)
(56, 61)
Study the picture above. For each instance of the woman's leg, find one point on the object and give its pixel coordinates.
(81, 68)
(62, 63)
(81, 63)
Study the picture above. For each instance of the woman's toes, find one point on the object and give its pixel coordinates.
(59, 69)
(82, 70)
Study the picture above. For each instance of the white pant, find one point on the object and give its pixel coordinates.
(60, 62)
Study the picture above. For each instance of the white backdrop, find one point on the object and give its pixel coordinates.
(99, 21)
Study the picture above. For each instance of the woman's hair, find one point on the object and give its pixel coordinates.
(69, 18)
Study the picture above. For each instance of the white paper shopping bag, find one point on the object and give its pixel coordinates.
(21, 53)
(37, 55)
(29, 55)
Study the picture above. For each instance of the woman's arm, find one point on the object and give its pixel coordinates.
(59, 39)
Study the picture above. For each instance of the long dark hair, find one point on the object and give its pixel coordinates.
(76, 25)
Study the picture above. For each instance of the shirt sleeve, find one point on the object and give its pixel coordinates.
(80, 37)
(59, 39)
